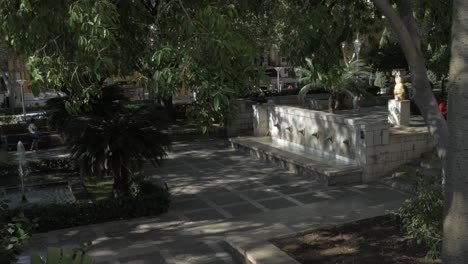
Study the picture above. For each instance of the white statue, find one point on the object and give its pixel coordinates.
(399, 90)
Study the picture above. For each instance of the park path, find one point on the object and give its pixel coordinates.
(218, 192)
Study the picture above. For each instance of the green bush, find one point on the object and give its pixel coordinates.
(53, 165)
(8, 118)
(40, 166)
(62, 256)
(59, 216)
(422, 215)
(380, 80)
(13, 234)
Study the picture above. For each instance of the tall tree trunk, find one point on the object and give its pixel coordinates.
(331, 103)
(405, 27)
(10, 82)
(169, 107)
(122, 183)
(455, 226)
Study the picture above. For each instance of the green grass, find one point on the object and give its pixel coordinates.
(99, 189)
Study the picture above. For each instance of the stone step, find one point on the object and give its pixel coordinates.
(332, 173)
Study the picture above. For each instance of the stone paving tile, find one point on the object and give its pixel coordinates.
(309, 198)
(246, 185)
(189, 205)
(225, 199)
(276, 180)
(291, 189)
(277, 203)
(260, 194)
(242, 209)
(217, 191)
(153, 258)
(204, 215)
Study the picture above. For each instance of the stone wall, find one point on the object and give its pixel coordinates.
(241, 125)
(363, 139)
(404, 145)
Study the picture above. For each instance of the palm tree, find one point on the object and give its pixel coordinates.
(113, 139)
(335, 79)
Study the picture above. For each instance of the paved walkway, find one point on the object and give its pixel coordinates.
(218, 192)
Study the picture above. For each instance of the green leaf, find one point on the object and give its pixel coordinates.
(35, 259)
(53, 255)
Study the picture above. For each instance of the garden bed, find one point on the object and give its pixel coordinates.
(376, 240)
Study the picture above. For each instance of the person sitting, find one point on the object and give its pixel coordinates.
(35, 135)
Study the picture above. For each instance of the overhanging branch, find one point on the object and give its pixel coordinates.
(400, 28)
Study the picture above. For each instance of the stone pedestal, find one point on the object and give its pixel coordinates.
(399, 112)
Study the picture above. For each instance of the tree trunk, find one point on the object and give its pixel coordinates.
(122, 183)
(331, 103)
(169, 107)
(10, 83)
(405, 27)
(455, 226)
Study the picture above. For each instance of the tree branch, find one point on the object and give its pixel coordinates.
(399, 27)
(406, 12)
(185, 11)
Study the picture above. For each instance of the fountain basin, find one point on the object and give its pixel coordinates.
(320, 166)
(40, 194)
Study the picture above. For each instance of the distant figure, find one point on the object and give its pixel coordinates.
(443, 109)
(290, 87)
(399, 90)
(3, 138)
(35, 135)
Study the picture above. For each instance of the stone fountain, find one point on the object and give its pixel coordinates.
(39, 193)
(341, 148)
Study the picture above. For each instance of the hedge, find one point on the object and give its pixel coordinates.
(42, 166)
(150, 202)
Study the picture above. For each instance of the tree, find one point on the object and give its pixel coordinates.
(320, 28)
(405, 26)
(455, 226)
(201, 45)
(113, 139)
(8, 77)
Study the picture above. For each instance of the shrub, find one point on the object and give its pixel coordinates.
(62, 256)
(40, 166)
(8, 118)
(59, 216)
(13, 234)
(53, 165)
(422, 215)
(380, 80)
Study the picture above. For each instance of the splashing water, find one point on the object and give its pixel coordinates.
(22, 171)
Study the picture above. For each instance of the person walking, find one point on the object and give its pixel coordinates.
(35, 135)
(3, 138)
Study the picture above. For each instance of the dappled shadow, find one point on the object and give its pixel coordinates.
(219, 192)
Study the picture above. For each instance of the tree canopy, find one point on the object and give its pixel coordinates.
(208, 47)
(205, 46)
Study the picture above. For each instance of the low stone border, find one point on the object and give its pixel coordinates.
(260, 252)
(301, 165)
